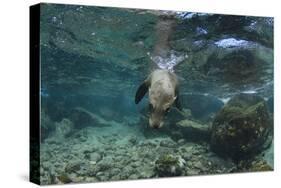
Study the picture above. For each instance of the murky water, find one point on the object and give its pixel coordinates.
(93, 60)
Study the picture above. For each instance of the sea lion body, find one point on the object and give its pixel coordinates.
(162, 87)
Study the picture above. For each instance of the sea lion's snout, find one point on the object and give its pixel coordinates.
(156, 124)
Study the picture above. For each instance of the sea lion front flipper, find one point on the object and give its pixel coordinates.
(143, 88)
(177, 101)
(178, 104)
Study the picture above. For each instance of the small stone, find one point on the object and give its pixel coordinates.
(72, 167)
(192, 124)
(90, 179)
(181, 141)
(133, 177)
(132, 139)
(115, 171)
(105, 163)
(118, 158)
(103, 178)
(198, 164)
(99, 174)
(136, 164)
(64, 178)
(192, 172)
(41, 170)
(167, 143)
(95, 157)
(116, 177)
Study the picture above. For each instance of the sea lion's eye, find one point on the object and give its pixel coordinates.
(167, 110)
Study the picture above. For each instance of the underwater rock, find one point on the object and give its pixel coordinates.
(194, 131)
(114, 172)
(255, 165)
(268, 154)
(260, 29)
(235, 66)
(102, 176)
(217, 164)
(47, 125)
(241, 128)
(146, 171)
(133, 177)
(240, 67)
(133, 139)
(63, 130)
(193, 125)
(260, 166)
(181, 141)
(127, 171)
(64, 178)
(72, 167)
(106, 163)
(64, 127)
(169, 165)
(167, 143)
(202, 106)
(84, 118)
(95, 157)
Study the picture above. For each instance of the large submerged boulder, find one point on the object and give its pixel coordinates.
(241, 128)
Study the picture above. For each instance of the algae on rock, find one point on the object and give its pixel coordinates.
(169, 165)
(241, 128)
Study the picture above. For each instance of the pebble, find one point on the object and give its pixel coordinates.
(72, 167)
(198, 164)
(132, 139)
(167, 143)
(133, 177)
(95, 157)
(181, 141)
(99, 174)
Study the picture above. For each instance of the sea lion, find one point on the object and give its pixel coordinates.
(162, 87)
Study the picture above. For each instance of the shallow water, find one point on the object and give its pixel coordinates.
(92, 61)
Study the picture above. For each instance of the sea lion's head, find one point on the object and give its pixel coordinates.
(160, 104)
(162, 87)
